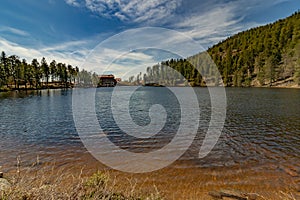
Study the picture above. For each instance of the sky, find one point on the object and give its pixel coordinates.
(122, 35)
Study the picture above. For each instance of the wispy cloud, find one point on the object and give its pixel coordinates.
(13, 48)
(213, 25)
(220, 19)
(136, 49)
(12, 30)
(65, 55)
(75, 3)
(125, 64)
(69, 46)
(206, 21)
(130, 10)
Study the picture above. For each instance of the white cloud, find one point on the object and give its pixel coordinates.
(13, 31)
(126, 64)
(217, 24)
(118, 61)
(136, 49)
(131, 10)
(61, 55)
(66, 46)
(75, 3)
(13, 48)
(219, 21)
(206, 21)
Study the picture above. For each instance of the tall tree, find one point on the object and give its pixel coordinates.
(53, 70)
(36, 70)
(4, 68)
(45, 70)
(14, 69)
(26, 72)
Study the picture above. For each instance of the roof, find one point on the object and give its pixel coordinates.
(107, 76)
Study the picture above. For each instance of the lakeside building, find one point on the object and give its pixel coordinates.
(108, 81)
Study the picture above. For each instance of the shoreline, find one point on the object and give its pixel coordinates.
(208, 183)
(33, 89)
(279, 85)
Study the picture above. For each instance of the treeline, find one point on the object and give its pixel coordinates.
(260, 56)
(16, 73)
(170, 73)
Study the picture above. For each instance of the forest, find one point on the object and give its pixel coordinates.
(262, 56)
(16, 73)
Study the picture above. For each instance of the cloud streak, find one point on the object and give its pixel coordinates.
(12, 30)
(213, 25)
(220, 19)
(208, 21)
(138, 11)
(73, 3)
(136, 49)
(61, 54)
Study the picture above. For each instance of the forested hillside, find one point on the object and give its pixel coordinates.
(264, 56)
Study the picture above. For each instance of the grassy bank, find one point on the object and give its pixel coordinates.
(43, 184)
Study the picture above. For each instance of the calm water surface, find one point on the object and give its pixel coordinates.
(262, 128)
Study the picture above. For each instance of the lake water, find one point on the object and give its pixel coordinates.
(261, 135)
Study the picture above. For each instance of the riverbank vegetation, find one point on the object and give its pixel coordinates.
(39, 184)
(264, 56)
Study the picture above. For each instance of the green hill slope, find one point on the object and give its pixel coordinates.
(260, 56)
(264, 56)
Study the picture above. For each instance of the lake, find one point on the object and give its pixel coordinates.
(258, 150)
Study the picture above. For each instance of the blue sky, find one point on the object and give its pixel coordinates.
(67, 30)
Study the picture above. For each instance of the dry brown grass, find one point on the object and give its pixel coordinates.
(53, 181)
(45, 183)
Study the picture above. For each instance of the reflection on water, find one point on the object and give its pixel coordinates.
(262, 127)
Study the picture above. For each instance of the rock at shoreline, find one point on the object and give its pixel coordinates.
(4, 184)
(232, 194)
(215, 195)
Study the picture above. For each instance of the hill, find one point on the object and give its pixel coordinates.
(264, 56)
(261, 56)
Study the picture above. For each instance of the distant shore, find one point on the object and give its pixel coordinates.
(54, 85)
(289, 86)
(32, 89)
(209, 82)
